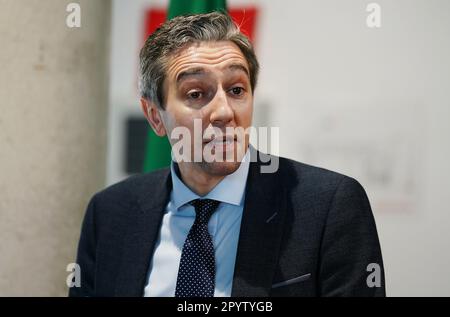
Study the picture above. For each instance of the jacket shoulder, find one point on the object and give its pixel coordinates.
(309, 175)
(319, 187)
(129, 190)
(316, 183)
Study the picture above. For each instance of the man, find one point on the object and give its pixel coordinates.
(222, 227)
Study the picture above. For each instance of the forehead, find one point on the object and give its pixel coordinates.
(211, 56)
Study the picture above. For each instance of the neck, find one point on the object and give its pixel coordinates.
(198, 180)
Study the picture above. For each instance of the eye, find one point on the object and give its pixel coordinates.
(237, 91)
(195, 94)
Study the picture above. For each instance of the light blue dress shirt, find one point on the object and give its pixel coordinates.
(223, 226)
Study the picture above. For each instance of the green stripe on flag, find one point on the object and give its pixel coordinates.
(182, 7)
(157, 151)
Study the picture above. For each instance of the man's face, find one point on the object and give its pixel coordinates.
(209, 81)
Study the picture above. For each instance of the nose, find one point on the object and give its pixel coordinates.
(222, 112)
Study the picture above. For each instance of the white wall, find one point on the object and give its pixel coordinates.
(53, 124)
(370, 103)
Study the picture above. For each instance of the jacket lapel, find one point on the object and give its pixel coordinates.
(140, 238)
(260, 234)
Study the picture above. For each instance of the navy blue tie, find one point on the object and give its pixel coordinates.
(197, 271)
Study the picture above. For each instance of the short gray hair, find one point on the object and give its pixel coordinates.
(176, 34)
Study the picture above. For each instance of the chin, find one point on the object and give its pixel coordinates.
(220, 168)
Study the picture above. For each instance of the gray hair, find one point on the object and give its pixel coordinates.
(176, 34)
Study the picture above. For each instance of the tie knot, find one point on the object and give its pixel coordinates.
(204, 208)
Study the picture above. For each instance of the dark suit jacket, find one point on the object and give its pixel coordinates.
(305, 231)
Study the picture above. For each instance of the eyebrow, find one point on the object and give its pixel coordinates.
(190, 72)
(238, 66)
(201, 71)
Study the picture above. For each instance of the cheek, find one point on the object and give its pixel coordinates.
(178, 115)
(244, 114)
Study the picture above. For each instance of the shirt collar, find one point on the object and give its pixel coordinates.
(229, 190)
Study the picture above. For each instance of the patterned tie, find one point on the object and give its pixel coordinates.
(197, 271)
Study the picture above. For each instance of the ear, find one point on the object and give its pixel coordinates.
(151, 112)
